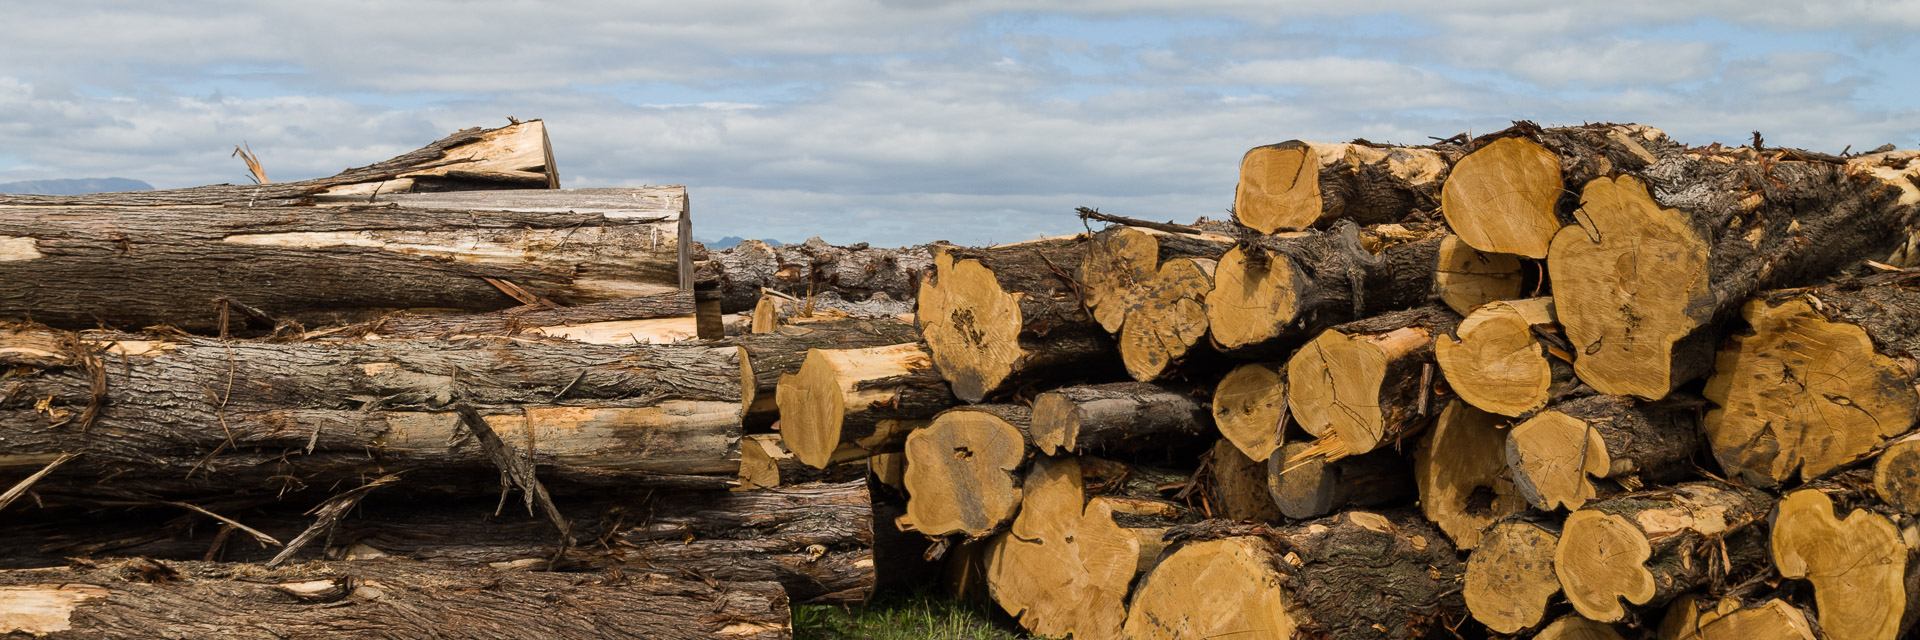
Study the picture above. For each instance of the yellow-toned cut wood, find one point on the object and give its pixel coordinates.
(1279, 189)
(1182, 597)
(1118, 261)
(1574, 627)
(1494, 360)
(1252, 297)
(962, 474)
(1466, 278)
(1501, 198)
(1510, 578)
(766, 315)
(1248, 405)
(1462, 473)
(1858, 566)
(833, 383)
(1167, 319)
(1695, 618)
(1896, 476)
(1802, 395)
(1601, 559)
(971, 322)
(1628, 283)
(1558, 453)
(1065, 566)
(1334, 382)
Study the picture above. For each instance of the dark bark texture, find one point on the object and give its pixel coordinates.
(512, 322)
(1118, 417)
(1586, 152)
(1372, 192)
(1651, 443)
(856, 273)
(1314, 487)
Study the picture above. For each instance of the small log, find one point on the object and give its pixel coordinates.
(516, 156)
(766, 357)
(815, 269)
(1466, 278)
(1249, 405)
(1697, 618)
(1271, 293)
(1001, 317)
(1239, 486)
(1896, 475)
(1647, 547)
(965, 471)
(1119, 416)
(1307, 486)
(1590, 448)
(1166, 321)
(1847, 353)
(864, 396)
(1462, 474)
(145, 599)
(1510, 579)
(1861, 566)
(1357, 575)
(1497, 362)
(765, 463)
(1514, 190)
(1121, 258)
(1364, 384)
(1298, 184)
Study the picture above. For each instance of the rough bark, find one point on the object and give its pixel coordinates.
(966, 470)
(176, 413)
(869, 397)
(671, 314)
(516, 156)
(1499, 361)
(856, 273)
(1118, 416)
(1861, 566)
(1120, 259)
(1587, 449)
(1517, 187)
(768, 356)
(1509, 578)
(1307, 486)
(1825, 377)
(1298, 184)
(999, 318)
(1647, 547)
(1462, 474)
(144, 598)
(1363, 384)
(1272, 293)
(1466, 278)
(1357, 575)
(188, 267)
(1237, 486)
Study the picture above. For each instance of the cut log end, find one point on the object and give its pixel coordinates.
(1846, 398)
(971, 325)
(1465, 278)
(1858, 565)
(836, 387)
(1181, 597)
(1600, 560)
(1279, 188)
(766, 315)
(1496, 363)
(1248, 405)
(1501, 197)
(1462, 474)
(1510, 578)
(962, 474)
(1240, 486)
(1896, 476)
(1336, 384)
(1574, 627)
(1692, 618)
(1066, 566)
(1253, 298)
(1167, 319)
(1553, 457)
(1118, 261)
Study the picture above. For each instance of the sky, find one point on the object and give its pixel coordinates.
(906, 121)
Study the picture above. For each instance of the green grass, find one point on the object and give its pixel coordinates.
(918, 615)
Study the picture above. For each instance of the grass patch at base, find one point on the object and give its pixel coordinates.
(916, 615)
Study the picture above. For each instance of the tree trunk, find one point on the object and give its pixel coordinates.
(188, 267)
(1119, 416)
(1861, 566)
(1697, 618)
(1307, 486)
(658, 318)
(1510, 579)
(1497, 361)
(1516, 188)
(1120, 259)
(768, 356)
(1650, 546)
(999, 318)
(1166, 322)
(1249, 406)
(516, 156)
(1461, 470)
(1663, 255)
(1825, 376)
(1238, 486)
(1363, 384)
(867, 396)
(856, 273)
(965, 471)
(186, 414)
(1358, 575)
(1298, 184)
(1586, 449)
(1466, 278)
(1272, 293)
(146, 599)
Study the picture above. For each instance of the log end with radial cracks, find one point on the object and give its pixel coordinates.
(971, 324)
(1279, 187)
(1336, 382)
(1494, 360)
(1118, 261)
(1553, 457)
(1066, 567)
(1465, 278)
(1181, 597)
(1847, 398)
(1248, 406)
(1695, 618)
(1167, 318)
(815, 403)
(1600, 560)
(1629, 283)
(1502, 197)
(963, 474)
(1858, 565)
(1253, 298)
(1509, 578)
(1462, 474)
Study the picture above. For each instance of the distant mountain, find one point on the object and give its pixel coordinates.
(729, 241)
(74, 186)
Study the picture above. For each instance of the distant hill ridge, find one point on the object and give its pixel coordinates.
(74, 186)
(729, 241)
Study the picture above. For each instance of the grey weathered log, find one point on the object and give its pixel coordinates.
(1119, 416)
(855, 273)
(525, 319)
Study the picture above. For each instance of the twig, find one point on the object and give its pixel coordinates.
(20, 488)
(257, 534)
(1092, 214)
(515, 469)
(329, 514)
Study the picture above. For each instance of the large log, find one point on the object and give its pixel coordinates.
(1590, 448)
(783, 351)
(870, 397)
(1121, 258)
(855, 273)
(998, 318)
(1466, 278)
(179, 413)
(1272, 293)
(517, 156)
(189, 267)
(1118, 416)
(1647, 547)
(1517, 187)
(1357, 575)
(966, 470)
(1298, 184)
(147, 599)
(659, 318)
(1698, 618)
(1862, 567)
(1497, 362)
(1462, 474)
(1825, 377)
(1363, 384)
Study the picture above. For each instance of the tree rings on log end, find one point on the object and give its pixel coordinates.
(1462, 473)
(1858, 566)
(1118, 261)
(835, 384)
(1495, 362)
(1502, 197)
(1335, 383)
(1279, 187)
(971, 325)
(1248, 405)
(962, 474)
(1553, 455)
(1601, 559)
(1167, 318)
(1896, 476)
(1465, 278)
(1692, 618)
(1253, 298)
(1182, 597)
(1510, 576)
